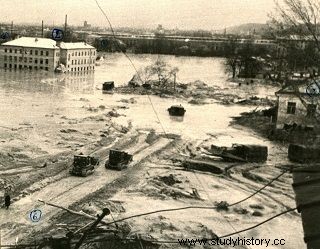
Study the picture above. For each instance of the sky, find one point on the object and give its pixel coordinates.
(182, 14)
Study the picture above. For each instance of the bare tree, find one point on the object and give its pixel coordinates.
(300, 17)
(159, 73)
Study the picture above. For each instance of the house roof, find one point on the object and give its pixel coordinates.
(75, 45)
(33, 42)
(294, 86)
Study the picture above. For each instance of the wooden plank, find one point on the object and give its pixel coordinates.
(202, 166)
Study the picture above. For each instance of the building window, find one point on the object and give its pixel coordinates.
(47, 61)
(5, 65)
(72, 54)
(72, 62)
(20, 59)
(15, 51)
(41, 52)
(46, 68)
(15, 66)
(36, 52)
(47, 53)
(20, 66)
(71, 69)
(5, 50)
(41, 67)
(31, 51)
(10, 58)
(20, 51)
(311, 110)
(30, 60)
(5, 57)
(291, 109)
(41, 61)
(25, 59)
(75, 53)
(10, 66)
(10, 50)
(30, 67)
(36, 61)
(81, 53)
(15, 59)
(36, 68)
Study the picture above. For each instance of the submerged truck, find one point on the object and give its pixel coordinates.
(83, 165)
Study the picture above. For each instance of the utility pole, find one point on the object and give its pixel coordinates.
(174, 81)
(105, 212)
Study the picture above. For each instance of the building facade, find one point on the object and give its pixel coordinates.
(47, 54)
(296, 108)
(78, 56)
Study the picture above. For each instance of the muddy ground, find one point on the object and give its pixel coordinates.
(198, 93)
(155, 180)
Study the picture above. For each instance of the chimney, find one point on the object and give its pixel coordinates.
(42, 29)
(11, 29)
(65, 23)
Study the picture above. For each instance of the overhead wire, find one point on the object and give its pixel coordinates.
(131, 62)
(200, 207)
(174, 241)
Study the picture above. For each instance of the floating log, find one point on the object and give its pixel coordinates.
(190, 164)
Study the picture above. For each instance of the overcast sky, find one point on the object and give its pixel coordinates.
(184, 14)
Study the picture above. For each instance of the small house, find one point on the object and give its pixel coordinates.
(297, 107)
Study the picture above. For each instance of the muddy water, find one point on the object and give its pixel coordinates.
(28, 97)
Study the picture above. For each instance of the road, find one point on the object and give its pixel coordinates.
(67, 191)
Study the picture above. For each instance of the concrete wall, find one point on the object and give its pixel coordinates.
(300, 116)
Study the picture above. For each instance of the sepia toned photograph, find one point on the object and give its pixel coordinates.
(145, 124)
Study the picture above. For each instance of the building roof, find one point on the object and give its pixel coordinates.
(33, 42)
(75, 45)
(294, 87)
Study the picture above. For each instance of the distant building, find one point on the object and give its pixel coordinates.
(296, 108)
(86, 24)
(47, 54)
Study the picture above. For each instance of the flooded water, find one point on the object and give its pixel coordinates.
(28, 97)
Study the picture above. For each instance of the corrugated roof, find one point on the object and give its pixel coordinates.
(75, 45)
(33, 42)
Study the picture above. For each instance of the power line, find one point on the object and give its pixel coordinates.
(173, 241)
(198, 207)
(131, 62)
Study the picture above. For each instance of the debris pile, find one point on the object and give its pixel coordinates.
(303, 154)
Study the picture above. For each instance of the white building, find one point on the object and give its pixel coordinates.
(47, 54)
(77, 56)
